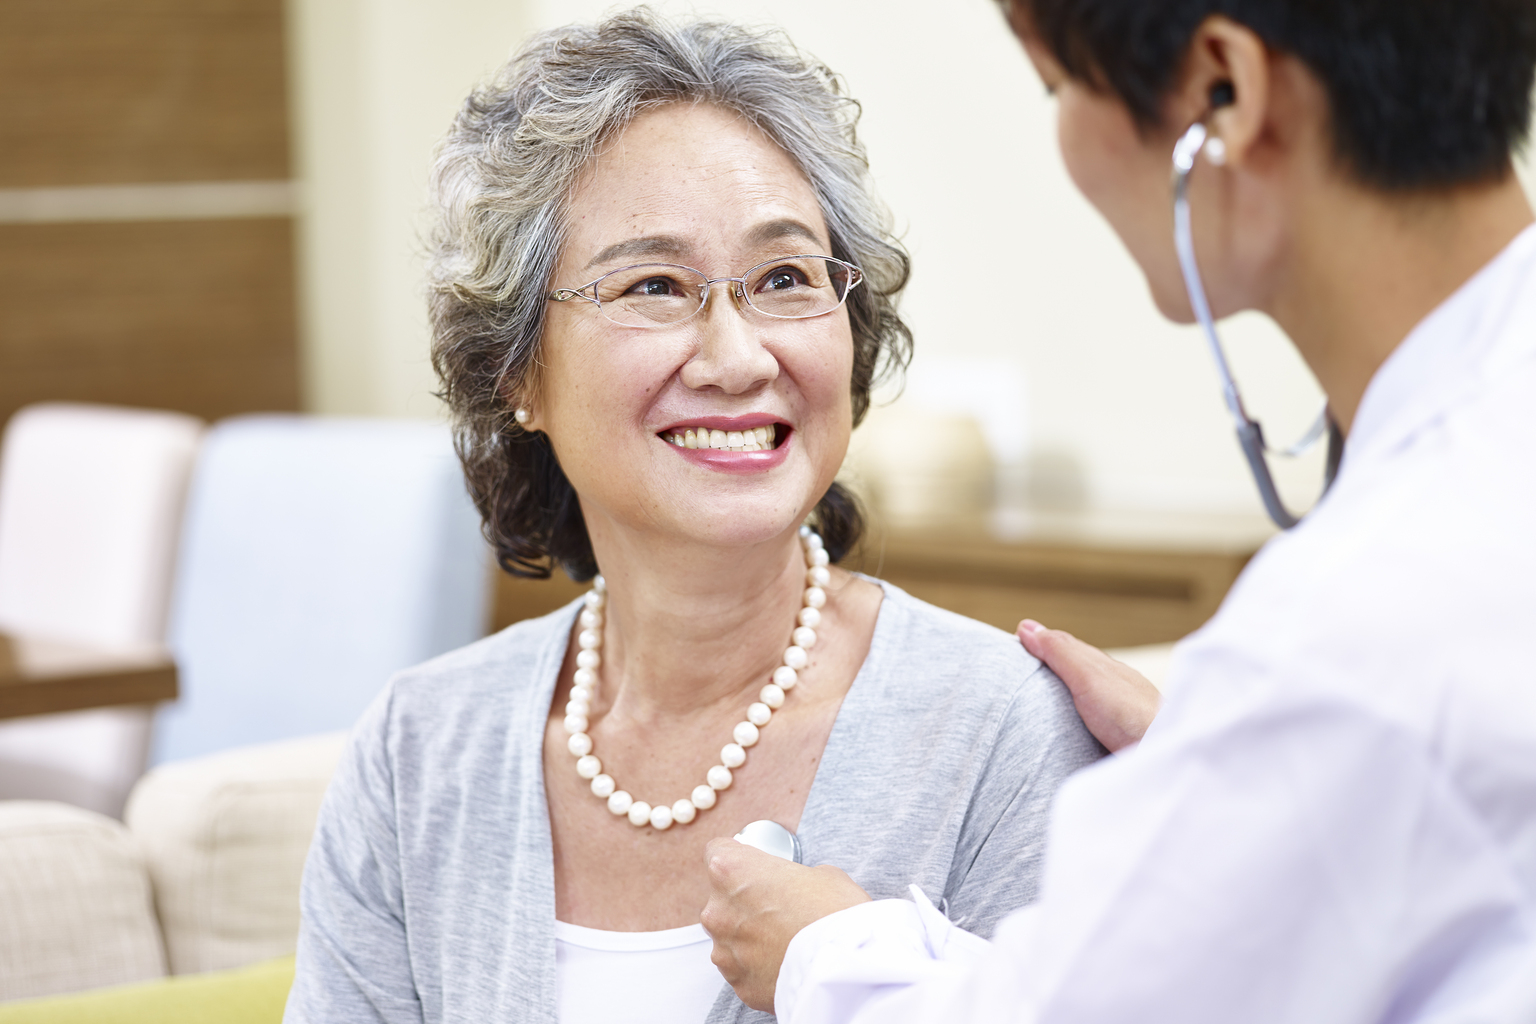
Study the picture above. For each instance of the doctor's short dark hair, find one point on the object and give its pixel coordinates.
(1424, 94)
(501, 182)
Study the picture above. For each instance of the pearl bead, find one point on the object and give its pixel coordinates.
(589, 640)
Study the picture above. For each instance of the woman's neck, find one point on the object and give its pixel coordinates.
(689, 627)
(1365, 268)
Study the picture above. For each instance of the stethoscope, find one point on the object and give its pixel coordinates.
(1250, 436)
(771, 837)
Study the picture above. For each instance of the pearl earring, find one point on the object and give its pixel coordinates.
(522, 416)
(1216, 152)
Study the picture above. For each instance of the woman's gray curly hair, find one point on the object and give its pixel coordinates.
(501, 182)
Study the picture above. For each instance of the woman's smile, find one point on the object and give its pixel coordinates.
(731, 444)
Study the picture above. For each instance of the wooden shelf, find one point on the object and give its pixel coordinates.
(1109, 596)
(1110, 588)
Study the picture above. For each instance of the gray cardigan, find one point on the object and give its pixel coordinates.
(429, 890)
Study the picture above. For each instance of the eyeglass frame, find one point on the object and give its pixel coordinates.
(566, 294)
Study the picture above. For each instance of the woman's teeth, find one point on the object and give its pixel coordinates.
(757, 439)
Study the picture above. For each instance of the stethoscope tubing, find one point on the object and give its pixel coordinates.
(1250, 435)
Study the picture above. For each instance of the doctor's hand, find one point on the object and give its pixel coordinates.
(1115, 702)
(758, 903)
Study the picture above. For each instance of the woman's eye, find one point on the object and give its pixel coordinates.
(654, 286)
(783, 277)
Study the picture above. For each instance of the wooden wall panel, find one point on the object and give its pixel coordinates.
(190, 315)
(119, 91)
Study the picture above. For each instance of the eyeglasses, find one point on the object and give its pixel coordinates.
(663, 294)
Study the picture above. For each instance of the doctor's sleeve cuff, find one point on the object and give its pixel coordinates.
(837, 966)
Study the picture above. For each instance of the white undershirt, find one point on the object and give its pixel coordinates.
(636, 977)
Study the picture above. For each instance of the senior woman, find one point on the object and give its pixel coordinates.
(662, 290)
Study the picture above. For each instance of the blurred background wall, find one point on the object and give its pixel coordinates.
(254, 293)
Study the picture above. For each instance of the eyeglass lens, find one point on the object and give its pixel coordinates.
(657, 294)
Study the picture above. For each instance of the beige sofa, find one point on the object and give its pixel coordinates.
(202, 875)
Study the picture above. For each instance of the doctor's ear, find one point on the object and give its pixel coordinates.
(1227, 84)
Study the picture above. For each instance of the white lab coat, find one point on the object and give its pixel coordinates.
(1333, 818)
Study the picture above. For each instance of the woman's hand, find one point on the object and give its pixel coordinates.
(1115, 702)
(759, 903)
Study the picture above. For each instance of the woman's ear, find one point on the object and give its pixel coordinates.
(1227, 84)
(522, 397)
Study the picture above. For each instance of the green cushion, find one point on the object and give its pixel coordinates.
(247, 995)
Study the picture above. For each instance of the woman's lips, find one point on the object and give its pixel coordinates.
(737, 454)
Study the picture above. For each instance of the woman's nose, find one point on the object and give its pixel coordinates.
(731, 356)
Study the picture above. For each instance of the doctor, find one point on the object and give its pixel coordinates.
(1333, 817)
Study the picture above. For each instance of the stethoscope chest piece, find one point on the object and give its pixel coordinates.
(771, 837)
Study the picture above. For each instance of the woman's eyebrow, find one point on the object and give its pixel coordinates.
(646, 246)
(785, 228)
(677, 248)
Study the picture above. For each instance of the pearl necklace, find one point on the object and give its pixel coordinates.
(733, 754)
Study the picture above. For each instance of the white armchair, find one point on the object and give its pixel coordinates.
(90, 512)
